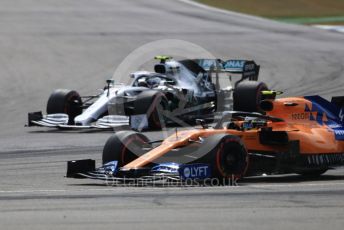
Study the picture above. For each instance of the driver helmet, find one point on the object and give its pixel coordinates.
(153, 82)
(142, 82)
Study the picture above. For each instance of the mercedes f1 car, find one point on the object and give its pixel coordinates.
(185, 90)
(303, 135)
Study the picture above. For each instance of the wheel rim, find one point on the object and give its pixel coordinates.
(72, 106)
(231, 159)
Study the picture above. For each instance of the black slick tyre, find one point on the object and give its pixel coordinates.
(230, 158)
(65, 101)
(247, 96)
(124, 147)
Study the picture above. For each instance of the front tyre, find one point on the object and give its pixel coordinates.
(65, 101)
(124, 147)
(230, 158)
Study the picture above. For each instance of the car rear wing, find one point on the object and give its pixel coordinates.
(247, 68)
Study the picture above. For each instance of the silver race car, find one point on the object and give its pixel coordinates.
(177, 92)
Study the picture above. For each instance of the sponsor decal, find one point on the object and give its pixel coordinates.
(234, 64)
(166, 168)
(339, 134)
(249, 67)
(333, 125)
(300, 116)
(194, 171)
(207, 63)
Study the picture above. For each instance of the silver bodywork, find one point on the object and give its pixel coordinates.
(178, 79)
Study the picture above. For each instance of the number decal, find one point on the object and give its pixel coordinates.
(341, 115)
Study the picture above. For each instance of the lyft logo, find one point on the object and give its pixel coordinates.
(194, 171)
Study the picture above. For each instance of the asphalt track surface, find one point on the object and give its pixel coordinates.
(78, 44)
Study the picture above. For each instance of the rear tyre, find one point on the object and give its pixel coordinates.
(124, 147)
(247, 96)
(65, 101)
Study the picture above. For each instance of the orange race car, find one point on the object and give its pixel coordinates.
(303, 135)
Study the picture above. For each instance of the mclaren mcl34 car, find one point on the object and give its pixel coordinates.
(184, 89)
(303, 135)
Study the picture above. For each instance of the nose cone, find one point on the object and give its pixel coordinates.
(83, 120)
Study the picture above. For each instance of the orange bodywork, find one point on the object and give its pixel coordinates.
(314, 135)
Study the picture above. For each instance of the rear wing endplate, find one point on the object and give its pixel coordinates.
(248, 68)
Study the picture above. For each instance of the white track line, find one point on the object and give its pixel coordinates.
(331, 28)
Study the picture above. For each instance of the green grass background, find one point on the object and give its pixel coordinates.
(294, 11)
